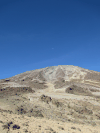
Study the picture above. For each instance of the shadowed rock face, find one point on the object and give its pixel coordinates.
(60, 73)
(59, 83)
(36, 84)
(93, 76)
(9, 91)
(73, 89)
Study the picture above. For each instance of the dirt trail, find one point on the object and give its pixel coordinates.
(50, 87)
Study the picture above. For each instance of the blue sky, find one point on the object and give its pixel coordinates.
(40, 33)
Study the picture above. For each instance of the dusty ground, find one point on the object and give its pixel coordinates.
(55, 112)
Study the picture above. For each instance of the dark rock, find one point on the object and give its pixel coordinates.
(73, 127)
(21, 110)
(46, 99)
(16, 127)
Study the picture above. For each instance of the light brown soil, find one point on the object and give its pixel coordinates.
(56, 113)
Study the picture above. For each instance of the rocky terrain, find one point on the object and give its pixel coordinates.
(57, 99)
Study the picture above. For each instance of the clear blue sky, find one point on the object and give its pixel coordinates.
(40, 33)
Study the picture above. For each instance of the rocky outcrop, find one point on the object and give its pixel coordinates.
(73, 89)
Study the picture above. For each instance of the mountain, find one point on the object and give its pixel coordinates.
(59, 76)
(58, 99)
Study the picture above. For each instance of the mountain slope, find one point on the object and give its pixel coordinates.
(68, 94)
(58, 75)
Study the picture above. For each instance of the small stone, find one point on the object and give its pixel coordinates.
(73, 127)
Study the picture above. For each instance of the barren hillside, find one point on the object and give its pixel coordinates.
(57, 99)
(57, 75)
